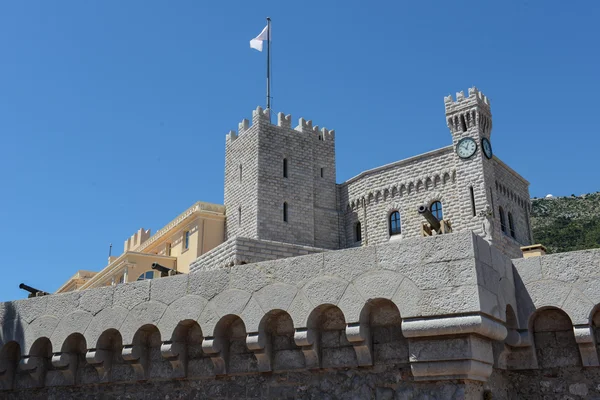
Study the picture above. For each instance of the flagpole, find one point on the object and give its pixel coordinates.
(268, 63)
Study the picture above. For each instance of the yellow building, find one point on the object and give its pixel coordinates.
(197, 230)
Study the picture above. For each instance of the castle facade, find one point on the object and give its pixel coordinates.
(405, 282)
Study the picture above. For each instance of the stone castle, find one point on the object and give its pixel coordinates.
(327, 290)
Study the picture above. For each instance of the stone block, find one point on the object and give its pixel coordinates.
(109, 318)
(324, 290)
(96, 300)
(276, 296)
(75, 322)
(250, 278)
(129, 295)
(28, 309)
(147, 313)
(184, 309)
(295, 271)
(350, 263)
(169, 289)
(208, 284)
(451, 348)
(378, 284)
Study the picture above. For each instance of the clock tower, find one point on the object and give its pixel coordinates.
(470, 122)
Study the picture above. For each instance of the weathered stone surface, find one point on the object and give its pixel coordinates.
(276, 296)
(148, 313)
(40, 327)
(186, 308)
(208, 283)
(169, 289)
(350, 263)
(28, 309)
(75, 322)
(129, 295)
(252, 315)
(337, 318)
(324, 290)
(297, 270)
(94, 301)
(62, 304)
(250, 277)
(109, 318)
(578, 307)
(529, 269)
(231, 301)
(352, 304)
(382, 284)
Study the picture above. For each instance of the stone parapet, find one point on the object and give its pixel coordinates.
(241, 250)
(443, 308)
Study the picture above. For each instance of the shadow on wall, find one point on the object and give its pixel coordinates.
(11, 334)
(525, 304)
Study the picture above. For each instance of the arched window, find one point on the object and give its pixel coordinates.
(511, 225)
(436, 210)
(502, 219)
(285, 168)
(285, 212)
(146, 275)
(357, 232)
(395, 228)
(239, 216)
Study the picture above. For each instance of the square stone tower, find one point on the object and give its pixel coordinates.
(470, 122)
(280, 183)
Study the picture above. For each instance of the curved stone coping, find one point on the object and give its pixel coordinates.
(454, 325)
(567, 281)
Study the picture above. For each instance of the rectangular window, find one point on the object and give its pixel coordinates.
(321, 172)
(168, 249)
(186, 240)
(472, 200)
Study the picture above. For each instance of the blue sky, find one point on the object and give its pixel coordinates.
(113, 114)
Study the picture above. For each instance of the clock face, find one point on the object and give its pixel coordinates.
(487, 147)
(466, 148)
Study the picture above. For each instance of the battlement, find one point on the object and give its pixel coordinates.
(136, 239)
(475, 98)
(262, 116)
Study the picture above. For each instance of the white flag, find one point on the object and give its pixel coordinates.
(257, 42)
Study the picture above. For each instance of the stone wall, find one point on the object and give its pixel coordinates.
(325, 215)
(384, 382)
(402, 186)
(444, 317)
(241, 250)
(309, 189)
(241, 181)
(469, 189)
(512, 194)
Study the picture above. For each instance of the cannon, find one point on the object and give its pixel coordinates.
(33, 292)
(433, 224)
(433, 221)
(164, 271)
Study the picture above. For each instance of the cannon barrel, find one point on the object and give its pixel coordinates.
(164, 271)
(433, 221)
(33, 291)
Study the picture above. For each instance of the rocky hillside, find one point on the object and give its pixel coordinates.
(567, 223)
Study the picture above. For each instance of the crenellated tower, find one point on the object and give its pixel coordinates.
(493, 198)
(469, 119)
(280, 182)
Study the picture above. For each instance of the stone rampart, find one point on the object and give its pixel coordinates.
(446, 316)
